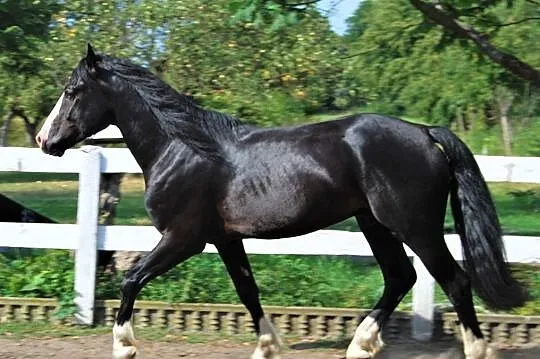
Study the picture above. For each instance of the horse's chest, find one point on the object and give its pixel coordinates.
(168, 205)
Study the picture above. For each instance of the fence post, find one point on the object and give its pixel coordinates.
(87, 219)
(423, 302)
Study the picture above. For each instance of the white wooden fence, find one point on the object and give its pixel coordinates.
(86, 237)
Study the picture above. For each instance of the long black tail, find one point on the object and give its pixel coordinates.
(478, 226)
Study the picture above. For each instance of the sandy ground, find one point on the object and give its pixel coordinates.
(99, 347)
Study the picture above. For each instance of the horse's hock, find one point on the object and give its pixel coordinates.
(305, 322)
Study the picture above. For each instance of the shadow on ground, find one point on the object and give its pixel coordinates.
(450, 349)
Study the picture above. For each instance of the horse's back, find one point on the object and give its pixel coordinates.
(289, 181)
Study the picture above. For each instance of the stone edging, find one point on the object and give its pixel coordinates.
(313, 322)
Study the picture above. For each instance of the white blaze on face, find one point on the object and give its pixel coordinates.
(43, 133)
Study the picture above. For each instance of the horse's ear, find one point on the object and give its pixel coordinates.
(91, 60)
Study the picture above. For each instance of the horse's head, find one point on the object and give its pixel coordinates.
(84, 108)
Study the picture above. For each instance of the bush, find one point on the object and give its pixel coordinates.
(285, 280)
(282, 280)
(47, 275)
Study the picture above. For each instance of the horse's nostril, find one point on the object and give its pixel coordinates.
(38, 140)
(42, 143)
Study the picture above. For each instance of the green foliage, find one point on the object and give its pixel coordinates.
(266, 74)
(266, 61)
(403, 64)
(527, 140)
(23, 24)
(40, 275)
(263, 14)
(283, 280)
(276, 63)
(23, 32)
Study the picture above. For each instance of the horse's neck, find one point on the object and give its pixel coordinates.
(142, 134)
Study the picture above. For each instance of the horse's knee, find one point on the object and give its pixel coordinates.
(128, 285)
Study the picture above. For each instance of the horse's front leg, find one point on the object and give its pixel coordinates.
(234, 256)
(171, 250)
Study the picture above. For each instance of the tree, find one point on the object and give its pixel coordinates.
(23, 24)
(403, 64)
(246, 66)
(23, 27)
(495, 27)
(448, 14)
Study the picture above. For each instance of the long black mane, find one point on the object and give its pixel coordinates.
(179, 116)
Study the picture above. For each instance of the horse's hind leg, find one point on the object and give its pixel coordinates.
(234, 256)
(399, 277)
(434, 253)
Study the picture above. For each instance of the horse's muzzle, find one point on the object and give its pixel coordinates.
(50, 149)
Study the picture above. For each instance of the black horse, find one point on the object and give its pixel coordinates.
(211, 178)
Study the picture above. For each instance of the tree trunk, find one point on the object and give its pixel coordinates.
(30, 128)
(504, 99)
(471, 118)
(109, 199)
(460, 121)
(5, 127)
(506, 134)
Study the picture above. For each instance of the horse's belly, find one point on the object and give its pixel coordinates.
(285, 216)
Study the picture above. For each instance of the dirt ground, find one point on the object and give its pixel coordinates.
(99, 347)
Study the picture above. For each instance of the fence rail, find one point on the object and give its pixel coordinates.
(86, 237)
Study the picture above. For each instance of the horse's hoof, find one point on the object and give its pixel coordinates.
(125, 352)
(267, 348)
(367, 348)
(356, 353)
(492, 353)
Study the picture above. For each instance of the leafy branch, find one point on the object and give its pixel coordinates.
(451, 23)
